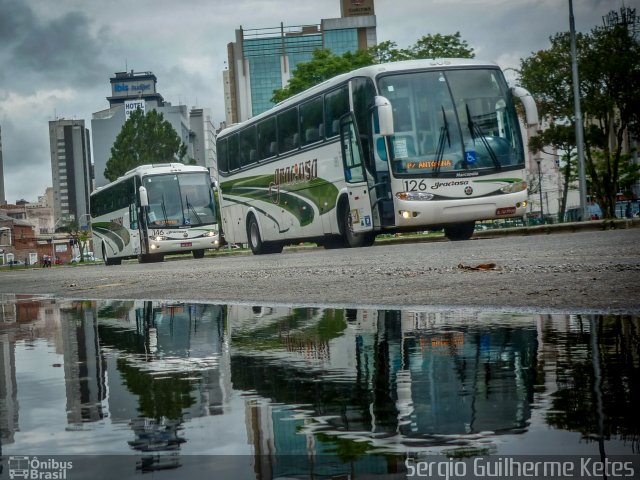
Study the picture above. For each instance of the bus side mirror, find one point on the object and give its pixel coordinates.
(385, 116)
(144, 198)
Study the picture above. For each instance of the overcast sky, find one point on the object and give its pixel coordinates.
(56, 57)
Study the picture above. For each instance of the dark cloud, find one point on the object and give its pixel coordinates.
(16, 20)
(57, 49)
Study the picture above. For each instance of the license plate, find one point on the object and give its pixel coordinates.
(505, 211)
(185, 244)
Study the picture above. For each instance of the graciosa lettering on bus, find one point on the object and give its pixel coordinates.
(388, 143)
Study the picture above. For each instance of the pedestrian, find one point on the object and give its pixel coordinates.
(628, 212)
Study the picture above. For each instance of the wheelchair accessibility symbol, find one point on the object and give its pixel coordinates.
(471, 157)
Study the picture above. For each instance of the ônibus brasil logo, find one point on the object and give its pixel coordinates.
(36, 469)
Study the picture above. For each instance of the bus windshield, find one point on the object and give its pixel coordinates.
(179, 200)
(452, 121)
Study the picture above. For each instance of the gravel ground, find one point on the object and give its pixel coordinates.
(595, 271)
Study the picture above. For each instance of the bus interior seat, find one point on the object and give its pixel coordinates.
(296, 140)
(273, 148)
(321, 130)
(335, 127)
(253, 156)
(311, 135)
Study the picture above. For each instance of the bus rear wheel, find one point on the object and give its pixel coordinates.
(258, 247)
(109, 261)
(459, 231)
(253, 236)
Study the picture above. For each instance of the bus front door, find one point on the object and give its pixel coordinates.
(355, 176)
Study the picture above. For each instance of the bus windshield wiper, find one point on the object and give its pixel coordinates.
(193, 210)
(164, 211)
(475, 130)
(444, 133)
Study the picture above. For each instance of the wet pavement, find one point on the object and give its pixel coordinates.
(114, 389)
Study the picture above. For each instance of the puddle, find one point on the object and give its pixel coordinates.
(278, 391)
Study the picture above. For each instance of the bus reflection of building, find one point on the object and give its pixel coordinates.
(410, 383)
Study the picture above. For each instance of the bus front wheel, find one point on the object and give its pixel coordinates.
(150, 258)
(198, 253)
(351, 239)
(459, 231)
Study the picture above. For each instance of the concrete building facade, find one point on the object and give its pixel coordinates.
(131, 90)
(262, 60)
(70, 169)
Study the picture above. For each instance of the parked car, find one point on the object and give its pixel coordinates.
(87, 256)
(15, 262)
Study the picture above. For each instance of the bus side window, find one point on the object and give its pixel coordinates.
(248, 146)
(288, 136)
(311, 120)
(336, 104)
(223, 159)
(233, 152)
(267, 139)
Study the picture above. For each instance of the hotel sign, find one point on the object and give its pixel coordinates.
(131, 105)
(357, 8)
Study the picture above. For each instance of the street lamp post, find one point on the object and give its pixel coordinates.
(538, 160)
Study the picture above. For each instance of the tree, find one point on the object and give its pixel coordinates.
(441, 46)
(325, 65)
(609, 68)
(322, 66)
(78, 236)
(144, 139)
(561, 137)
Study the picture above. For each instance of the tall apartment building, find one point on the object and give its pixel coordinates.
(262, 60)
(202, 139)
(139, 90)
(71, 169)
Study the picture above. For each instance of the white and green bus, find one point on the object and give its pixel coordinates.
(399, 147)
(154, 210)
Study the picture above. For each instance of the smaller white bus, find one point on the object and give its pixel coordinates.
(154, 210)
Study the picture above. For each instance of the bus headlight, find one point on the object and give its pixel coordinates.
(159, 238)
(212, 233)
(514, 187)
(413, 196)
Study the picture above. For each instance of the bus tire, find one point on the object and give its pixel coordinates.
(333, 242)
(273, 247)
(459, 231)
(369, 239)
(351, 239)
(198, 253)
(109, 261)
(253, 236)
(150, 257)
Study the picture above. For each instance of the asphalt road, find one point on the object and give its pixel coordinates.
(582, 272)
